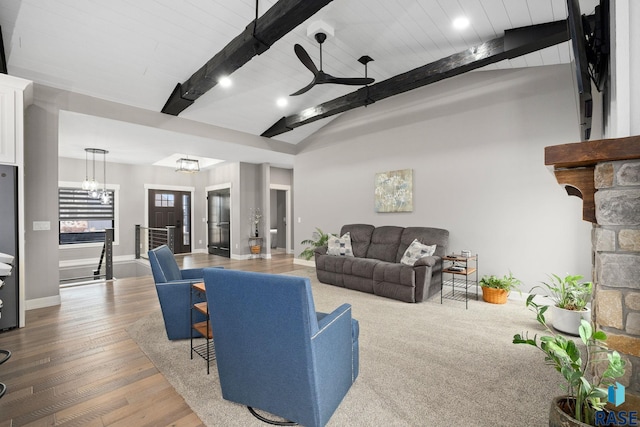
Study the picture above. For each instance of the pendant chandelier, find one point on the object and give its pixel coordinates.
(91, 185)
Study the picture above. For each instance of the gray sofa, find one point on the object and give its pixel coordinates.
(375, 267)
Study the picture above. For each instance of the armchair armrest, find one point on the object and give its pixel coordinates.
(176, 283)
(335, 355)
(175, 303)
(325, 320)
(192, 273)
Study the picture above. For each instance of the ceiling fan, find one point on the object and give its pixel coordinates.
(319, 76)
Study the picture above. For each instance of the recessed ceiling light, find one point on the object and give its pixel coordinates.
(460, 23)
(282, 102)
(224, 81)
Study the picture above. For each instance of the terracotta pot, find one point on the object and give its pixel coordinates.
(495, 296)
(255, 249)
(568, 321)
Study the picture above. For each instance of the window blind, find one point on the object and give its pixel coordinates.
(76, 205)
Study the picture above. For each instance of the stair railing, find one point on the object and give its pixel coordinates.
(147, 238)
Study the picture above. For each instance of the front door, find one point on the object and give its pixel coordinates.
(172, 208)
(219, 222)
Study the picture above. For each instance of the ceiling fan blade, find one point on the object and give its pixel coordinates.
(305, 89)
(354, 81)
(304, 57)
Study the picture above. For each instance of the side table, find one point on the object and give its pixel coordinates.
(205, 350)
(462, 275)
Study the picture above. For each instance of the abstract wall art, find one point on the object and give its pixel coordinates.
(394, 191)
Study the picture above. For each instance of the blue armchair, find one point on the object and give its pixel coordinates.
(274, 352)
(174, 292)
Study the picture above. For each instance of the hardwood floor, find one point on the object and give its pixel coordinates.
(75, 364)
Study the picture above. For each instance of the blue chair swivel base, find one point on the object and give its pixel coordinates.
(268, 421)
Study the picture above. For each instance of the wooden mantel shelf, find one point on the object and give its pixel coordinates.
(574, 165)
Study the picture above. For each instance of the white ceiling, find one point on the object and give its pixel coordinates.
(135, 52)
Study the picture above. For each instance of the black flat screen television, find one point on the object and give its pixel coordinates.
(590, 45)
(583, 81)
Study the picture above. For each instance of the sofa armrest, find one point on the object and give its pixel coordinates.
(321, 250)
(428, 261)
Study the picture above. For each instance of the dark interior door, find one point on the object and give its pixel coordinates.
(9, 293)
(172, 208)
(219, 222)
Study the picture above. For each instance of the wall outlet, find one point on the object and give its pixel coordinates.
(199, 242)
(41, 225)
(299, 220)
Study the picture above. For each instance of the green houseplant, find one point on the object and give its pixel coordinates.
(318, 238)
(496, 289)
(585, 393)
(570, 296)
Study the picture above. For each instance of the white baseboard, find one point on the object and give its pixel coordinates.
(246, 257)
(300, 261)
(32, 304)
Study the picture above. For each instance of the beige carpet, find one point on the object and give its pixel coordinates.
(426, 364)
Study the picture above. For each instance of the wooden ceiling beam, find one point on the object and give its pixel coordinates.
(514, 43)
(256, 38)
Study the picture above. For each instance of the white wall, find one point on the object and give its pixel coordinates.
(476, 146)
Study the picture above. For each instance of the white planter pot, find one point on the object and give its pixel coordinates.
(568, 321)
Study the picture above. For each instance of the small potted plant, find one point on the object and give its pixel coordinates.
(495, 290)
(570, 297)
(586, 395)
(318, 239)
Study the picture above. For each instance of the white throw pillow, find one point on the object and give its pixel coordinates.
(415, 251)
(340, 246)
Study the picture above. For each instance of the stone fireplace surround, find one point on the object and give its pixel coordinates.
(605, 174)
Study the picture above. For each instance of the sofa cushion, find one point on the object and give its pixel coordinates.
(415, 251)
(340, 246)
(358, 273)
(384, 243)
(330, 263)
(360, 237)
(395, 273)
(397, 281)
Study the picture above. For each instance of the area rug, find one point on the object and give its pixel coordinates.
(426, 364)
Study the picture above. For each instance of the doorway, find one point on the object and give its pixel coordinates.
(219, 222)
(280, 218)
(172, 208)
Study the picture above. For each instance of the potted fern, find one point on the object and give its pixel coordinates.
(570, 296)
(586, 393)
(495, 290)
(318, 238)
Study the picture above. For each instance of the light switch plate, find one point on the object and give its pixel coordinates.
(41, 225)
